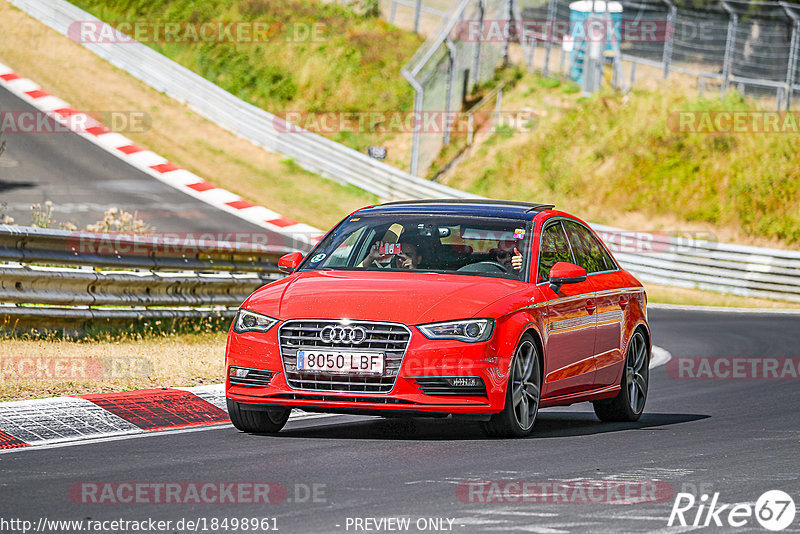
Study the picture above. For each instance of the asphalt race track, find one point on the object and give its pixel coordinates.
(738, 437)
(84, 181)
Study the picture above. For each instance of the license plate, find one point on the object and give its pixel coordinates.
(370, 363)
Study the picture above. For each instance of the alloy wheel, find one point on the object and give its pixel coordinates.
(526, 385)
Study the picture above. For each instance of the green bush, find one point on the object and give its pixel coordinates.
(351, 63)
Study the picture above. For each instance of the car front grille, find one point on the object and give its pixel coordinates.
(389, 338)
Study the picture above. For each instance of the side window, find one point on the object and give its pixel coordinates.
(344, 252)
(589, 253)
(554, 248)
(611, 265)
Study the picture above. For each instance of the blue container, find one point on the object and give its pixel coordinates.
(579, 15)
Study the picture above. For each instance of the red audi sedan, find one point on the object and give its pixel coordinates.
(481, 309)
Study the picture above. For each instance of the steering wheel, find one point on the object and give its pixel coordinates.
(481, 267)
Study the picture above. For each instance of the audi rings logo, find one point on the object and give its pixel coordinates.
(343, 334)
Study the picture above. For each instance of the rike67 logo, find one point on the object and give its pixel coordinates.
(774, 510)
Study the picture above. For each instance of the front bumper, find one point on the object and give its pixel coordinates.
(423, 358)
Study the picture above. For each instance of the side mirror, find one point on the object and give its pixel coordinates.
(565, 273)
(288, 263)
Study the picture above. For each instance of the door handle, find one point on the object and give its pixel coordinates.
(590, 306)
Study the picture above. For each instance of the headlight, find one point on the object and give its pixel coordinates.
(469, 330)
(247, 321)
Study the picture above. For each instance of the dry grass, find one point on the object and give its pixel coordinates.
(87, 82)
(37, 368)
(352, 65)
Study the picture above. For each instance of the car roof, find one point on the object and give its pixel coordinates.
(511, 209)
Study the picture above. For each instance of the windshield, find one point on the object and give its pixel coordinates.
(478, 246)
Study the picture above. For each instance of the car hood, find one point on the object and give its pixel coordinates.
(409, 298)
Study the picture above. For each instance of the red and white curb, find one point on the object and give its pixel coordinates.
(151, 163)
(102, 415)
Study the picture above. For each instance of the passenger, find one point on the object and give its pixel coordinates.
(409, 257)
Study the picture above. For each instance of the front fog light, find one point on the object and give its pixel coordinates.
(237, 372)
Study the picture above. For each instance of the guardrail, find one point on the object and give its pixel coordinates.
(694, 263)
(147, 278)
(740, 270)
(143, 278)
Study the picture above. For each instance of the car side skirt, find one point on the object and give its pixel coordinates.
(581, 396)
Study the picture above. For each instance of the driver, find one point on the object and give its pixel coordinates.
(507, 255)
(409, 257)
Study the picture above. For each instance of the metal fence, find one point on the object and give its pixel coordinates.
(752, 46)
(692, 263)
(443, 72)
(426, 15)
(59, 279)
(419, 16)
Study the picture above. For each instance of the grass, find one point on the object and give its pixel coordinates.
(326, 57)
(696, 297)
(147, 357)
(176, 133)
(613, 159)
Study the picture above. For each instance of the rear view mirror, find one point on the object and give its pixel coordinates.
(289, 262)
(565, 273)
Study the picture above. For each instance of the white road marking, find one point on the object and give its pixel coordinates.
(553, 528)
(114, 438)
(87, 441)
(724, 309)
(659, 357)
(523, 513)
(636, 517)
(45, 421)
(676, 529)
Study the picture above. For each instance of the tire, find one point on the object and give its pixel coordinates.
(257, 422)
(522, 394)
(629, 404)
